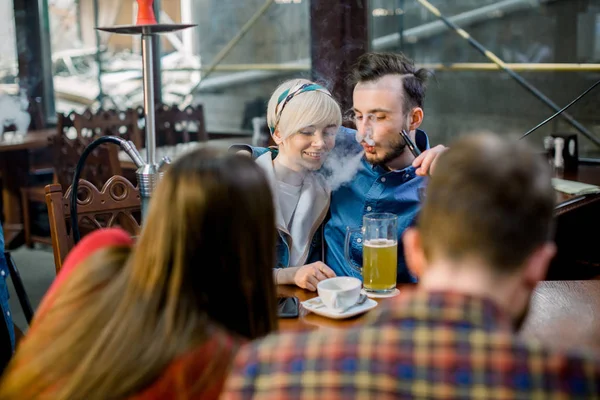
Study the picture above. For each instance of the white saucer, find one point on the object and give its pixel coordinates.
(394, 293)
(316, 305)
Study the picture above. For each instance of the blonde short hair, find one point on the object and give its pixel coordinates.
(305, 109)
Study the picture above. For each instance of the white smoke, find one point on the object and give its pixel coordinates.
(342, 164)
(367, 136)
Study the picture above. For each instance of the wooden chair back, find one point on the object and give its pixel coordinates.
(122, 123)
(117, 203)
(68, 147)
(174, 126)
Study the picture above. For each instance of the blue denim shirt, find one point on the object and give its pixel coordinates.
(373, 189)
(283, 250)
(4, 292)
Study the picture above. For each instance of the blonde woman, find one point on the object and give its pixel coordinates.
(303, 119)
(156, 322)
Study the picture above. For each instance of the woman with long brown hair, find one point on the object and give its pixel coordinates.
(156, 321)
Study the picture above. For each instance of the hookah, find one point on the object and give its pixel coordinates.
(149, 172)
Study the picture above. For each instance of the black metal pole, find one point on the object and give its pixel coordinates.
(19, 287)
(560, 111)
(34, 58)
(78, 18)
(100, 97)
(156, 50)
(492, 57)
(401, 23)
(48, 83)
(334, 47)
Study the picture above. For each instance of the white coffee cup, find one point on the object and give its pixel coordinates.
(339, 293)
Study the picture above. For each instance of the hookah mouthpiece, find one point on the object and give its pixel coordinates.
(411, 145)
(145, 14)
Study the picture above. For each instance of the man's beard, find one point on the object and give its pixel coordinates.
(395, 150)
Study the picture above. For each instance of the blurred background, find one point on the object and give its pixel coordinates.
(73, 66)
(70, 82)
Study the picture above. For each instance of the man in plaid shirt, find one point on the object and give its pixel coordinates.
(481, 244)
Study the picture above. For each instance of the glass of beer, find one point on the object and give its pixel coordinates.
(379, 251)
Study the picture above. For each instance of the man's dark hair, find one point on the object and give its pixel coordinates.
(373, 66)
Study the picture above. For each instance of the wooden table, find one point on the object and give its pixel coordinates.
(576, 216)
(14, 167)
(585, 173)
(563, 314)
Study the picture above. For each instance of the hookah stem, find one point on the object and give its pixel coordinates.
(148, 74)
(492, 57)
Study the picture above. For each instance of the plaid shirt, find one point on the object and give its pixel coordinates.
(425, 346)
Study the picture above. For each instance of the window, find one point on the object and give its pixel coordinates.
(8, 49)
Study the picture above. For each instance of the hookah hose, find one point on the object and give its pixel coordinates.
(492, 57)
(560, 111)
(127, 146)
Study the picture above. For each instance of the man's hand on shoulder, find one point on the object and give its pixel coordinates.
(425, 163)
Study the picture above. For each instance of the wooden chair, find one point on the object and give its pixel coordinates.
(124, 124)
(174, 126)
(117, 203)
(36, 194)
(74, 134)
(100, 164)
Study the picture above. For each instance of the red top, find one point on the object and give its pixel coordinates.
(184, 378)
(97, 240)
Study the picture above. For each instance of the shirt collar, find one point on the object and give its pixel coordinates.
(449, 308)
(406, 174)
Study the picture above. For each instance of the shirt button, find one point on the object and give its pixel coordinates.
(368, 209)
(406, 176)
(8, 313)
(383, 179)
(359, 240)
(2, 273)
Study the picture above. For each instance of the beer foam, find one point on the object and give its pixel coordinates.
(380, 243)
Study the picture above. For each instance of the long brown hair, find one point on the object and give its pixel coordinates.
(117, 322)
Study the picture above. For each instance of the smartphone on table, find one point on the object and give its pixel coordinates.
(288, 307)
